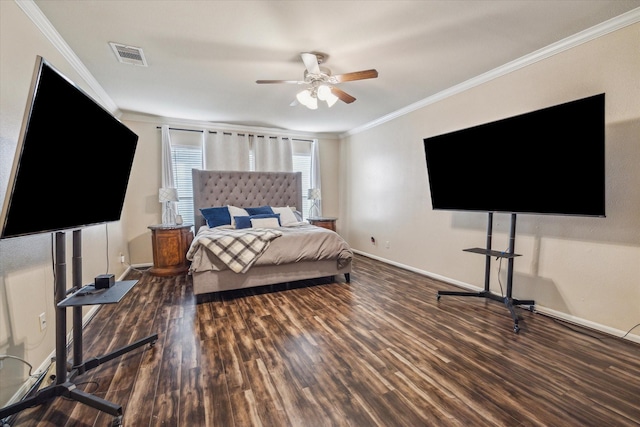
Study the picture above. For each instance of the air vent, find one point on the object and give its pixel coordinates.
(129, 54)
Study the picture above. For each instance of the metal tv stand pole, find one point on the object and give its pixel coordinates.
(508, 301)
(64, 386)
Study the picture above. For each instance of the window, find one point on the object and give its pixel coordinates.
(185, 158)
(302, 163)
(302, 150)
(302, 160)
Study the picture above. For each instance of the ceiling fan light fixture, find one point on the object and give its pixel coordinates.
(331, 99)
(312, 103)
(323, 92)
(321, 83)
(304, 97)
(307, 98)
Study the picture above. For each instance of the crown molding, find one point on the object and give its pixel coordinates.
(604, 28)
(44, 25)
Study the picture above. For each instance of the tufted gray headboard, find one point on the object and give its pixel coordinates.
(244, 189)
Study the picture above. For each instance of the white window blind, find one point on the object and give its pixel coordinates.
(185, 158)
(302, 163)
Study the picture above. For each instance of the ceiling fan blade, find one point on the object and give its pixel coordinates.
(311, 63)
(262, 82)
(356, 75)
(344, 96)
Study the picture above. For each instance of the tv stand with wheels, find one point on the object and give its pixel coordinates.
(510, 255)
(64, 386)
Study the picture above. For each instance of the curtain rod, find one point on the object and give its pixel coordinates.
(186, 130)
(229, 133)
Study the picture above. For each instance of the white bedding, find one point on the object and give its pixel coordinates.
(302, 242)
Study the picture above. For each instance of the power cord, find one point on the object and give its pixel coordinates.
(106, 238)
(88, 290)
(499, 270)
(502, 293)
(139, 270)
(579, 329)
(8, 356)
(629, 331)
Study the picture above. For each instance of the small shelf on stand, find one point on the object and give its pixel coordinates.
(88, 295)
(489, 253)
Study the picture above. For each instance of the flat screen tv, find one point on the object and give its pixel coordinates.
(549, 161)
(72, 162)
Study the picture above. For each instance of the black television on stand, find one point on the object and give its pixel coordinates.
(71, 170)
(549, 161)
(72, 162)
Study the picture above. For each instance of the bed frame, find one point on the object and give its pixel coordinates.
(247, 189)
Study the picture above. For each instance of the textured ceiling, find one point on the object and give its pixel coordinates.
(205, 56)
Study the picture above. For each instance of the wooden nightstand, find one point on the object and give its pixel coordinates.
(324, 222)
(170, 245)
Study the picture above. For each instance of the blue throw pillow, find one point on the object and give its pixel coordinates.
(262, 210)
(242, 221)
(216, 216)
(245, 221)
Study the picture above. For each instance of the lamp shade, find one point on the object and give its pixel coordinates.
(168, 194)
(308, 98)
(314, 194)
(303, 97)
(324, 92)
(331, 99)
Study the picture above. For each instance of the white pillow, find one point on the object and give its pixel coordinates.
(234, 211)
(287, 217)
(264, 223)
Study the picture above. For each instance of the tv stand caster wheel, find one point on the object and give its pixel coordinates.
(516, 328)
(438, 297)
(117, 421)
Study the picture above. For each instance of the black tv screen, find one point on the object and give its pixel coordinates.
(72, 162)
(549, 161)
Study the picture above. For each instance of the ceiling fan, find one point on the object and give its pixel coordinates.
(322, 83)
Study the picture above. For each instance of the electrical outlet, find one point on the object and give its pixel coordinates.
(121, 258)
(43, 321)
(387, 244)
(1, 363)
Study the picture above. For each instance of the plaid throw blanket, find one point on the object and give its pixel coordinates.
(239, 249)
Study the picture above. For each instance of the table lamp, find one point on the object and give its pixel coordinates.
(169, 196)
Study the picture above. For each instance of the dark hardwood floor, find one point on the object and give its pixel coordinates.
(380, 351)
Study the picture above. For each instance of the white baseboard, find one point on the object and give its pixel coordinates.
(144, 266)
(538, 308)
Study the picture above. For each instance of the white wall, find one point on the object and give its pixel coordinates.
(581, 269)
(26, 266)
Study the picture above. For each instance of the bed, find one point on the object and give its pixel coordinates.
(294, 251)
